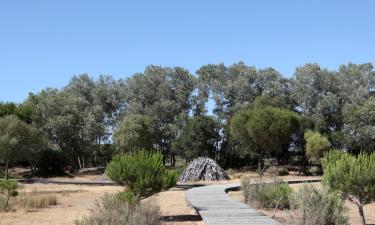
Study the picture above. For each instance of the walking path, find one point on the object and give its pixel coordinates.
(216, 208)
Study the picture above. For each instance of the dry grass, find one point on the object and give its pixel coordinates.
(35, 201)
(282, 216)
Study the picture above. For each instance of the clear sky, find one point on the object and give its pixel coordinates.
(44, 43)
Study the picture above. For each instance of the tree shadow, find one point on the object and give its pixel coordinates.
(181, 218)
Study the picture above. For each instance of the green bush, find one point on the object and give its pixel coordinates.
(310, 206)
(316, 145)
(110, 211)
(353, 177)
(142, 173)
(266, 195)
(50, 163)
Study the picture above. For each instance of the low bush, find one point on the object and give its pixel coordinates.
(266, 195)
(110, 211)
(31, 201)
(311, 206)
(142, 173)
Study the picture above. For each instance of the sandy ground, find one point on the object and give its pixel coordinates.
(75, 201)
(174, 208)
(353, 209)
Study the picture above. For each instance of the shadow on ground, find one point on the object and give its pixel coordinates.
(181, 218)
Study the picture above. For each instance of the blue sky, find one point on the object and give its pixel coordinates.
(44, 43)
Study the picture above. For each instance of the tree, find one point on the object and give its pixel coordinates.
(141, 172)
(353, 177)
(316, 145)
(199, 137)
(7, 108)
(359, 126)
(165, 95)
(14, 135)
(135, 132)
(9, 189)
(267, 130)
(65, 119)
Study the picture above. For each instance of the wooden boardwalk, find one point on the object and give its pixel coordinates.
(216, 208)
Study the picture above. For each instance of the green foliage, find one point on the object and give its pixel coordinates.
(360, 125)
(135, 132)
(7, 108)
(8, 189)
(260, 124)
(51, 163)
(127, 197)
(18, 140)
(311, 206)
(316, 145)
(353, 177)
(267, 195)
(110, 211)
(263, 131)
(142, 173)
(199, 138)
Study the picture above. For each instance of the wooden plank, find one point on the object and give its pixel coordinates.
(216, 208)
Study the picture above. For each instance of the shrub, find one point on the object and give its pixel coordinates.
(32, 201)
(9, 189)
(310, 206)
(353, 177)
(142, 173)
(267, 195)
(316, 145)
(110, 211)
(278, 170)
(50, 163)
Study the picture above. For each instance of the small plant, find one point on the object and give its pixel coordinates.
(112, 211)
(142, 173)
(352, 177)
(310, 206)
(267, 195)
(9, 189)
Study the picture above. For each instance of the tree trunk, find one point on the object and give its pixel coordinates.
(173, 159)
(6, 171)
(361, 214)
(260, 166)
(79, 162)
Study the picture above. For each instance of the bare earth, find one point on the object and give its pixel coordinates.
(353, 209)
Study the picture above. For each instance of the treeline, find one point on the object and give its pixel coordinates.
(165, 109)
